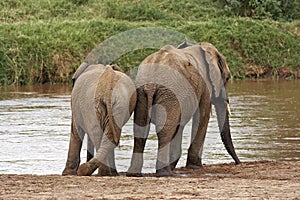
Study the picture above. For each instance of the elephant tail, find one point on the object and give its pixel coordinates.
(116, 134)
(114, 128)
(142, 117)
(150, 90)
(104, 105)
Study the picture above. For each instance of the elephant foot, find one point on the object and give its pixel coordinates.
(71, 168)
(107, 171)
(194, 165)
(87, 169)
(69, 172)
(84, 170)
(113, 172)
(134, 171)
(129, 174)
(164, 172)
(237, 162)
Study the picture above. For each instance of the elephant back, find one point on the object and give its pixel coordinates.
(171, 69)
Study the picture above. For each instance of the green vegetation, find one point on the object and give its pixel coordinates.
(45, 41)
(274, 9)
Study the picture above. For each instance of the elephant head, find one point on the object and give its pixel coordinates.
(217, 76)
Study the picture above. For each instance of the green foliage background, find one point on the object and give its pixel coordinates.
(45, 41)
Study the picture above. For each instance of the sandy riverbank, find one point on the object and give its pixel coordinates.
(250, 180)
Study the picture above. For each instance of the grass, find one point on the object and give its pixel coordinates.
(45, 41)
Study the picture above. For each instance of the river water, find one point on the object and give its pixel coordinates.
(35, 127)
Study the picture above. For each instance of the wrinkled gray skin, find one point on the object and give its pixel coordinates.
(173, 86)
(102, 100)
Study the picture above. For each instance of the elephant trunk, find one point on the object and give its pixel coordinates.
(224, 127)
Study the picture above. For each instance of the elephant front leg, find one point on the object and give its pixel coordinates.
(73, 159)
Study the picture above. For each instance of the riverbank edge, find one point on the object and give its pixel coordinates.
(259, 179)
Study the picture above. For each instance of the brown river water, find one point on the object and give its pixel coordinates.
(35, 127)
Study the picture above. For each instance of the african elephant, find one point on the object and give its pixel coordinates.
(102, 100)
(173, 86)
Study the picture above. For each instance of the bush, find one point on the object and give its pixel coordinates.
(45, 41)
(274, 9)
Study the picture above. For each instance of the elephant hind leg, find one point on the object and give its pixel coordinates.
(199, 129)
(164, 162)
(75, 145)
(141, 131)
(176, 149)
(108, 169)
(103, 158)
(167, 141)
(104, 168)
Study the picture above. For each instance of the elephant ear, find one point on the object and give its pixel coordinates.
(79, 71)
(215, 68)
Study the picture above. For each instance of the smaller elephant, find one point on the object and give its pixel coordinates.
(103, 99)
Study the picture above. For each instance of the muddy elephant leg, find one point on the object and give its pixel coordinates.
(176, 148)
(100, 159)
(75, 145)
(199, 128)
(141, 131)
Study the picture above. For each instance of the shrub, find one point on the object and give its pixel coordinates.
(274, 9)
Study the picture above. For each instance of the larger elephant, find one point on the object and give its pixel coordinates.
(173, 86)
(103, 98)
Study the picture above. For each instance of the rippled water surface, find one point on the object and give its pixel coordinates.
(35, 127)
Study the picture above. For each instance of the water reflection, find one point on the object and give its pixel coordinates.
(35, 126)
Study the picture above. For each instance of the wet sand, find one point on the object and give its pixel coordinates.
(250, 180)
